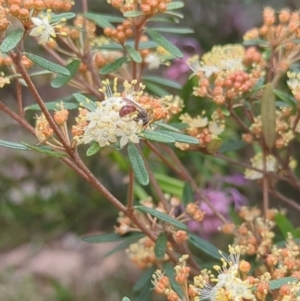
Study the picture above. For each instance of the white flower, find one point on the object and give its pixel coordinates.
(43, 29)
(153, 61)
(197, 67)
(216, 128)
(257, 162)
(239, 290)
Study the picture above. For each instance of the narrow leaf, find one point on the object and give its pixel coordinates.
(180, 30)
(278, 283)
(11, 40)
(114, 66)
(284, 225)
(161, 246)
(256, 42)
(187, 194)
(162, 81)
(46, 151)
(169, 270)
(138, 165)
(85, 102)
(232, 146)
(133, 14)
(214, 145)
(45, 64)
(175, 5)
(53, 105)
(205, 246)
(181, 137)
(157, 136)
(135, 56)
(109, 18)
(63, 16)
(145, 278)
(167, 126)
(62, 80)
(99, 20)
(162, 216)
(268, 117)
(155, 89)
(13, 145)
(109, 237)
(125, 299)
(285, 97)
(93, 149)
(164, 43)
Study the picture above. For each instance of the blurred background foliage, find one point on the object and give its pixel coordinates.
(42, 203)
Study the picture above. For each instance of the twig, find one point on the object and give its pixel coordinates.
(130, 190)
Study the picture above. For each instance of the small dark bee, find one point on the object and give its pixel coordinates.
(136, 109)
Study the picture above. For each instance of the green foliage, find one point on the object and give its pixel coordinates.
(232, 146)
(161, 246)
(114, 66)
(12, 40)
(93, 149)
(169, 184)
(158, 136)
(162, 216)
(134, 55)
(137, 164)
(168, 269)
(85, 102)
(13, 145)
(162, 81)
(46, 150)
(54, 105)
(159, 39)
(62, 80)
(187, 194)
(45, 64)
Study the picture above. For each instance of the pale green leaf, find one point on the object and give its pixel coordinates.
(11, 40)
(162, 81)
(45, 64)
(46, 150)
(114, 66)
(169, 271)
(162, 216)
(135, 56)
(167, 126)
(109, 18)
(62, 80)
(55, 18)
(13, 145)
(133, 14)
(157, 136)
(168, 46)
(181, 137)
(85, 102)
(138, 165)
(160, 246)
(93, 149)
(232, 146)
(175, 5)
(99, 20)
(179, 30)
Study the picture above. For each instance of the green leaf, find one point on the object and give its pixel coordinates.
(99, 20)
(169, 184)
(232, 146)
(11, 40)
(128, 240)
(133, 14)
(161, 19)
(161, 246)
(85, 102)
(157, 136)
(283, 224)
(145, 278)
(109, 18)
(155, 89)
(256, 42)
(180, 30)
(138, 165)
(63, 16)
(162, 81)
(125, 299)
(175, 14)
(285, 97)
(282, 243)
(159, 39)
(175, 5)
(278, 283)
(62, 80)
(140, 192)
(93, 149)
(109, 237)
(13, 145)
(169, 270)
(114, 66)
(206, 247)
(162, 216)
(46, 151)
(53, 105)
(167, 126)
(45, 64)
(142, 45)
(181, 137)
(187, 194)
(135, 56)
(214, 145)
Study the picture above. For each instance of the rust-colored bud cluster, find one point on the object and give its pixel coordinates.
(121, 33)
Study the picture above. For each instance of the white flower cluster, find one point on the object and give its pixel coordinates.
(106, 127)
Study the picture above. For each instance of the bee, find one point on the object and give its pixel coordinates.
(132, 107)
